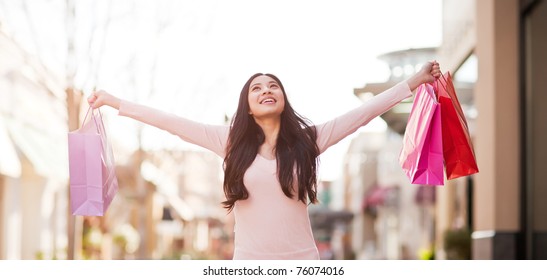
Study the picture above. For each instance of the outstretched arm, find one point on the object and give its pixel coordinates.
(333, 131)
(211, 137)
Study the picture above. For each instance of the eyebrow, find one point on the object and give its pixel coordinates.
(271, 82)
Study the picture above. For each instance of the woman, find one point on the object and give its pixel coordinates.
(270, 158)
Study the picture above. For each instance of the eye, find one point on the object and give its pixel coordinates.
(274, 86)
(255, 88)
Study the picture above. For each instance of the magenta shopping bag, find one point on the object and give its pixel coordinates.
(422, 154)
(93, 181)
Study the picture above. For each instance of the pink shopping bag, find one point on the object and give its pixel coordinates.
(422, 154)
(93, 181)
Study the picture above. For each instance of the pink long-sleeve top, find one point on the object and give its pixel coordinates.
(269, 225)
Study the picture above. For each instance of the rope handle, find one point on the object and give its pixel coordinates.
(92, 115)
(100, 128)
(453, 99)
(445, 82)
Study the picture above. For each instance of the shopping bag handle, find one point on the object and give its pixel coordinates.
(456, 99)
(445, 82)
(99, 130)
(92, 115)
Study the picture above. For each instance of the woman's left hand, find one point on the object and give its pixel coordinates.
(428, 74)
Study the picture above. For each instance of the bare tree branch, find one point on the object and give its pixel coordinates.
(96, 58)
(163, 23)
(99, 60)
(32, 28)
(70, 28)
(43, 76)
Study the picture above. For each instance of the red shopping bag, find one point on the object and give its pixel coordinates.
(93, 182)
(459, 157)
(422, 154)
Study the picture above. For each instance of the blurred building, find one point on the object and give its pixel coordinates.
(168, 205)
(331, 226)
(190, 183)
(509, 194)
(496, 53)
(393, 219)
(33, 157)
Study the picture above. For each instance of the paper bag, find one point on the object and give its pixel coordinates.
(459, 157)
(93, 181)
(422, 155)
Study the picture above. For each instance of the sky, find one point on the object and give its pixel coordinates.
(191, 58)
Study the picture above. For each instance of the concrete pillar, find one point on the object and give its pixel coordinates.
(496, 193)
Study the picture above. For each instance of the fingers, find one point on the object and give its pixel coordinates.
(94, 99)
(430, 72)
(91, 100)
(435, 69)
(430, 66)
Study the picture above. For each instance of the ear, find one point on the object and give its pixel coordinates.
(250, 113)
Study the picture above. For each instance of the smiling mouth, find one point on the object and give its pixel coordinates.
(268, 101)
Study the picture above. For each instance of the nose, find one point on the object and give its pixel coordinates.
(266, 91)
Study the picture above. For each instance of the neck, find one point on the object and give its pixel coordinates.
(270, 127)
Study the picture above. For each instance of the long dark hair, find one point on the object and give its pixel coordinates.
(296, 151)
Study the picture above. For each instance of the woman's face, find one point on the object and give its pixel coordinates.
(265, 98)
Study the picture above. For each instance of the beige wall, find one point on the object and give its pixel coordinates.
(496, 193)
(459, 33)
(36, 211)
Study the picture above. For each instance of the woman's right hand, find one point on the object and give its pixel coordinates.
(101, 97)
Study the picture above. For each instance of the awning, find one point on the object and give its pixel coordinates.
(9, 161)
(47, 151)
(324, 217)
(425, 194)
(377, 196)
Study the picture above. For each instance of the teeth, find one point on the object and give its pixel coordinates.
(269, 100)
